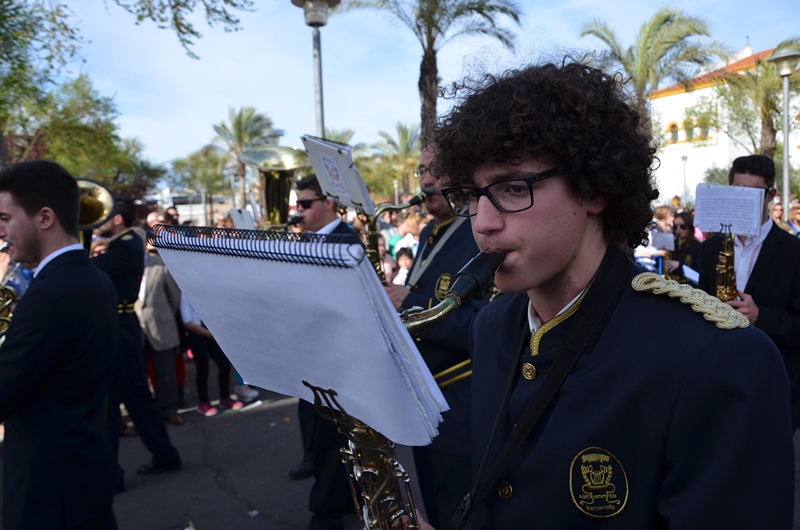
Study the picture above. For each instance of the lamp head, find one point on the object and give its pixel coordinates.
(785, 61)
(316, 11)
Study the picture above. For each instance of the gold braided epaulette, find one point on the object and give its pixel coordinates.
(712, 309)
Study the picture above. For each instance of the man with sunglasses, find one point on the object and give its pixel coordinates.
(330, 496)
(445, 246)
(584, 414)
(767, 273)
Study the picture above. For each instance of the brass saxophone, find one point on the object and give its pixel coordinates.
(726, 275)
(370, 456)
(371, 224)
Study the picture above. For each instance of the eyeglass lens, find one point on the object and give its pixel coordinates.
(508, 196)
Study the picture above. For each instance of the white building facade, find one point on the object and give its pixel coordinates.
(688, 149)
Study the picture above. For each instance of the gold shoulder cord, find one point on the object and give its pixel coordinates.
(721, 314)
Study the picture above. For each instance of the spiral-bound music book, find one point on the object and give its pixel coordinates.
(291, 307)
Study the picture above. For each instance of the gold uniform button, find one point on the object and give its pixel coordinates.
(414, 289)
(505, 490)
(529, 371)
(431, 240)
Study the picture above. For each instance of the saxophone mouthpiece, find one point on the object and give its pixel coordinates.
(4, 247)
(474, 278)
(416, 199)
(294, 220)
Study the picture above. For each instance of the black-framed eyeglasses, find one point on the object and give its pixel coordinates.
(420, 171)
(306, 203)
(509, 196)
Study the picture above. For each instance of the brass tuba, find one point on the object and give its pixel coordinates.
(96, 207)
(726, 274)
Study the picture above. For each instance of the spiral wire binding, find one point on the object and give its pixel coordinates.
(258, 244)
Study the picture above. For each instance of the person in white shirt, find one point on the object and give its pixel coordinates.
(767, 272)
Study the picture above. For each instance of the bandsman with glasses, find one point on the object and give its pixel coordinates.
(445, 246)
(584, 414)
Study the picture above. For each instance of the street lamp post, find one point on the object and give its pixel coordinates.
(785, 61)
(684, 159)
(316, 12)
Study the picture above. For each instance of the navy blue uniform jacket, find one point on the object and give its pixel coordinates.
(774, 285)
(641, 435)
(55, 372)
(124, 264)
(446, 343)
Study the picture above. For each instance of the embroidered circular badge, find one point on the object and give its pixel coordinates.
(598, 483)
(443, 286)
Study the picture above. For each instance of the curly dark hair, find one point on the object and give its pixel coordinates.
(573, 116)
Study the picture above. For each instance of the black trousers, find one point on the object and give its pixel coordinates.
(444, 479)
(330, 496)
(203, 348)
(131, 388)
(307, 416)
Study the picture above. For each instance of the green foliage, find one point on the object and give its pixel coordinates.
(748, 107)
(437, 22)
(667, 47)
(716, 175)
(76, 126)
(174, 15)
(246, 128)
(202, 171)
(397, 157)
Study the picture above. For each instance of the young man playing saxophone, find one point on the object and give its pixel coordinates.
(606, 425)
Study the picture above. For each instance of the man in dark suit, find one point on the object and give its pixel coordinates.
(57, 361)
(445, 246)
(330, 496)
(767, 273)
(123, 261)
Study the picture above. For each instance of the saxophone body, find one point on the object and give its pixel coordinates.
(726, 274)
(371, 224)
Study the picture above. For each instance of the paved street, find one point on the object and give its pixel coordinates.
(235, 471)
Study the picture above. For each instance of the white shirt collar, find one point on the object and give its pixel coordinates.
(752, 241)
(54, 255)
(328, 228)
(533, 317)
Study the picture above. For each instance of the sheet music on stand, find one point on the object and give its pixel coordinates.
(337, 174)
(290, 307)
(740, 207)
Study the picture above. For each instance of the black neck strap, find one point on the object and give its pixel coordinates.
(596, 308)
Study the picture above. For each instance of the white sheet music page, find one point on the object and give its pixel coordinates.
(741, 208)
(281, 323)
(337, 175)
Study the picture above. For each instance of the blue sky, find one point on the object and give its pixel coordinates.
(370, 63)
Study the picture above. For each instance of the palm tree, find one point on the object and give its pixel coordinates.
(437, 22)
(245, 128)
(665, 48)
(401, 154)
(202, 171)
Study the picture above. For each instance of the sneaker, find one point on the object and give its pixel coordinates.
(245, 393)
(231, 404)
(206, 409)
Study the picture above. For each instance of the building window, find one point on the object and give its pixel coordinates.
(688, 128)
(705, 126)
(673, 133)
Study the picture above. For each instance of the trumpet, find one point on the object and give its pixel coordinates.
(369, 456)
